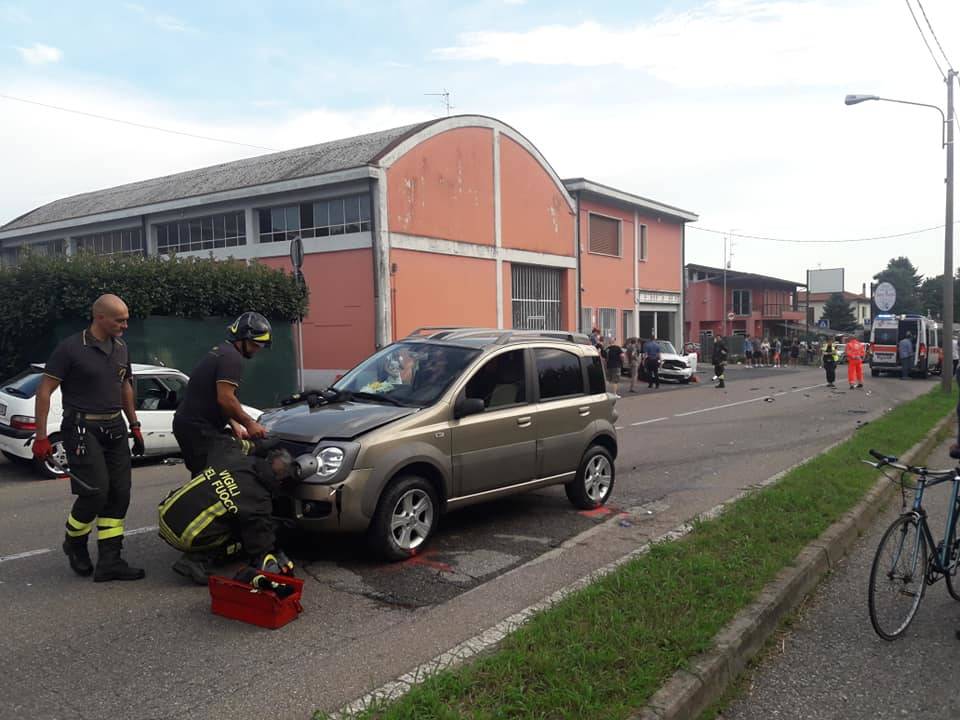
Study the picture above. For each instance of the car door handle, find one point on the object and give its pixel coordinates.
(524, 421)
(584, 410)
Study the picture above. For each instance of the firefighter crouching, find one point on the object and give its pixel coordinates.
(227, 505)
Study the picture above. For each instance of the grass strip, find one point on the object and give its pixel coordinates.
(603, 651)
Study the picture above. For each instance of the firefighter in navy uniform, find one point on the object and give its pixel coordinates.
(228, 502)
(719, 361)
(92, 369)
(211, 419)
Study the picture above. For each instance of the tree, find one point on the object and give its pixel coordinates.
(905, 279)
(931, 296)
(838, 313)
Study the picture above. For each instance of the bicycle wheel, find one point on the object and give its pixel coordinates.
(951, 588)
(897, 578)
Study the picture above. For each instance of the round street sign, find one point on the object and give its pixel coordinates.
(730, 316)
(885, 295)
(296, 252)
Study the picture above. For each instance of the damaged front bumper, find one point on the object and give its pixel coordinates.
(319, 507)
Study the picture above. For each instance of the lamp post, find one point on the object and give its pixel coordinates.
(946, 139)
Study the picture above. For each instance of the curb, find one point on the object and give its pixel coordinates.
(692, 690)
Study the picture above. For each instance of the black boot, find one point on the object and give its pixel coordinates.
(110, 566)
(721, 385)
(194, 566)
(76, 551)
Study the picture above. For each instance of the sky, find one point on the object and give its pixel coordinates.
(732, 109)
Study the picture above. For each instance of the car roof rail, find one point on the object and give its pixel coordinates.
(498, 336)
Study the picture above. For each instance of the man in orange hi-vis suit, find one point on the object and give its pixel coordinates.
(854, 353)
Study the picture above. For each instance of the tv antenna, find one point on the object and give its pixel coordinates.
(445, 94)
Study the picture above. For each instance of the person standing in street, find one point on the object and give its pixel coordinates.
(794, 352)
(854, 353)
(651, 362)
(92, 369)
(633, 361)
(905, 354)
(956, 352)
(614, 356)
(777, 347)
(719, 361)
(747, 352)
(830, 358)
(210, 404)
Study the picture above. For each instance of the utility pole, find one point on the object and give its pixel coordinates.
(946, 337)
(724, 304)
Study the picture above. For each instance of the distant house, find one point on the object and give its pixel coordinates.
(859, 303)
(754, 304)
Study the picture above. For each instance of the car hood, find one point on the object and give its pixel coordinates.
(336, 421)
(672, 356)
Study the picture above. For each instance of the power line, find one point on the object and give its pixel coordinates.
(136, 124)
(819, 242)
(935, 38)
(925, 42)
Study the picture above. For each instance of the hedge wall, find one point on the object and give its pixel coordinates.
(42, 291)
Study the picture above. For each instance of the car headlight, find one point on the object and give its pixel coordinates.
(329, 460)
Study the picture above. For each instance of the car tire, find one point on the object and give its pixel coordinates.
(594, 481)
(16, 459)
(405, 519)
(45, 468)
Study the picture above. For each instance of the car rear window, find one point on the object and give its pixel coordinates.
(24, 384)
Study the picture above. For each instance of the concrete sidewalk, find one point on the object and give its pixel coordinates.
(830, 665)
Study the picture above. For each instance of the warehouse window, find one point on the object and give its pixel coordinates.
(643, 242)
(115, 242)
(204, 233)
(604, 235)
(608, 324)
(741, 302)
(337, 216)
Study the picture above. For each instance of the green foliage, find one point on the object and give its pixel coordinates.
(904, 277)
(43, 290)
(838, 312)
(931, 296)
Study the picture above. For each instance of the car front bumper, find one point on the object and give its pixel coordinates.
(315, 507)
(676, 373)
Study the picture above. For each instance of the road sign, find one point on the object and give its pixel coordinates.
(823, 323)
(885, 295)
(730, 316)
(296, 253)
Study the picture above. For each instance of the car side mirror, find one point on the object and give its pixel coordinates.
(465, 406)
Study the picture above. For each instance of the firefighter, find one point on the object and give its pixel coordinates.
(830, 358)
(854, 353)
(92, 370)
(210, 404)
(719, 360)
(227, 504)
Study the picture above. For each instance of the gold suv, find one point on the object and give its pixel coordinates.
(443, 419)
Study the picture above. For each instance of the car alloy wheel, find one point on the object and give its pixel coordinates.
(47, 468)
(597, 478)
(412, 519)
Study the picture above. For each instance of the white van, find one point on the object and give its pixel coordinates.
(888, 330)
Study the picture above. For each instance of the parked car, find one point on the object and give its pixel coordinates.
(159, 391)
(673, 366)
(443, 420)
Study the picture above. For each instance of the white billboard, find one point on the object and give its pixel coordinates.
(825, 281)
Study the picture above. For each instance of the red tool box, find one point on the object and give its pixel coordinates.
(240, 601)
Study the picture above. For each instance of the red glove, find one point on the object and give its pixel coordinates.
(42, 449)
(138, 447)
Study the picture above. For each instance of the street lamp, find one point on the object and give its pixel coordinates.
(946, 139)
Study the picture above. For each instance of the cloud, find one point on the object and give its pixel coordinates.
(720, 43)
(39, 54)
(166, 22)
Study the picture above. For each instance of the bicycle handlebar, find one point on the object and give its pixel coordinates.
(891, 461)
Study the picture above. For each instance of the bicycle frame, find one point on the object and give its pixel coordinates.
(940, 562)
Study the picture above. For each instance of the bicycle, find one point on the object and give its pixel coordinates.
(904, 564)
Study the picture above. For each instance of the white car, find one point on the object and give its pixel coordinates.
(674, 366)
(159, 391)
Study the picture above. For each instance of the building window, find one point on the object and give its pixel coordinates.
(741, 302)
(535, 297)
(627, 324)
(604, 235)
(10, 256)
(337, 216)
(115, 242)
(608, 323)
(203, 233)
(643, 242)
(586, 320)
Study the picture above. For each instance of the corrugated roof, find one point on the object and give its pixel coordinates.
(287, 165)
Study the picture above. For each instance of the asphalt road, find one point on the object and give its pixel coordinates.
(151, 649)
(832, 666)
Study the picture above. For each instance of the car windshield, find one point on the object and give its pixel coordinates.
(23, 384)
(406, 373)
(667, 347)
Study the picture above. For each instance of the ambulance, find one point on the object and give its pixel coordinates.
(887, 332)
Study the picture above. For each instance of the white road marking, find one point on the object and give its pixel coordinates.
(745, 402)
(19, 556)
(647, 422)
(43, 551)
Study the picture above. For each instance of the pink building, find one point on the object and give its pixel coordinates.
(754, 304)
(631, 262)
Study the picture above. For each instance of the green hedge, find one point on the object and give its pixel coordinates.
(41, 291)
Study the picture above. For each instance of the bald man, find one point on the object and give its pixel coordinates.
(92, 370)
